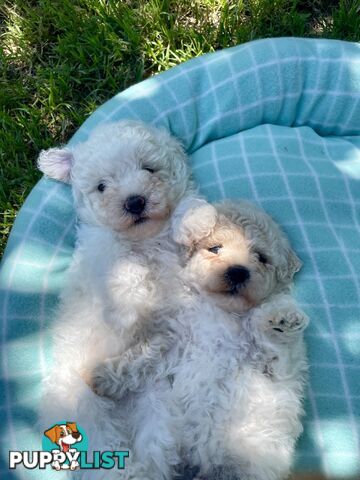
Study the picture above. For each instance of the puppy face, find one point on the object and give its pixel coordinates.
(128, 177)
(242, 259)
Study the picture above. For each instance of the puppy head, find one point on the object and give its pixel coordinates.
(127, 176)
(236, 253)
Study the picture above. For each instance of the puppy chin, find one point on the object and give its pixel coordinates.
(146, 228)
(138, 227)
(238, 301)
(149, 225)
(233, 303)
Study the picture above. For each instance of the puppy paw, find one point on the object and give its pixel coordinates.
(103, 380)
(287, 322)
(193, 219)
(112, 378)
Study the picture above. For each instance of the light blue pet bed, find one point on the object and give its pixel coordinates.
(274, 121)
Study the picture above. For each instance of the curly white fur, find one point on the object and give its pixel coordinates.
(124, 269)
(220, 382)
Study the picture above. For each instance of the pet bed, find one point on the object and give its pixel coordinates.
(276, 121)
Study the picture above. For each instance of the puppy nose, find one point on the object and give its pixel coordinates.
(135, 204)
(237, 275)
(75, 434)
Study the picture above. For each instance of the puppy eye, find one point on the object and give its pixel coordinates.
(62, 434)
(148, 169)
(262, 258)
(101, 187)
(215, 249)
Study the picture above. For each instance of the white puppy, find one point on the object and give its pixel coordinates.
(237, 363)
(126, 179)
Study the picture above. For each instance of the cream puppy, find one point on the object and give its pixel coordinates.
(227, 371)
(126, 179)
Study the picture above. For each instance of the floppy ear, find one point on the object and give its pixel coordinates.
(174, 151)
(53, 433)
(56, 163)
(193, 220)
(293, 265)
(72, 426)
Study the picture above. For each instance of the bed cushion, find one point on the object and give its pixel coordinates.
(276, 121)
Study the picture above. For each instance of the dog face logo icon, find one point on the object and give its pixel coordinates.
(65, 436)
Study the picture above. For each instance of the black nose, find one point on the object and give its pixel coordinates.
(135, 204)
(237, 275)
(75, 435)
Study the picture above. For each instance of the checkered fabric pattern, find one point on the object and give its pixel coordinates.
(275, 121)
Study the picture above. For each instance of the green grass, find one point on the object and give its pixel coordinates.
(60, 59)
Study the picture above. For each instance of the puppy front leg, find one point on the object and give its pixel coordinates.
(114, 376)
(118, 375)
(281, 324)
(129, 293)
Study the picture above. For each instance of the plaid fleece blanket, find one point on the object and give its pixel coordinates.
(275, 121)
